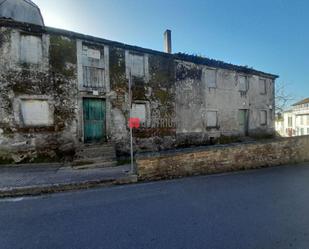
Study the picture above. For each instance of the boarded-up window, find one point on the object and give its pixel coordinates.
(212, 119)
(263, 117)
(243, 84)
(139, 111)
(36, 113)
(93, 53)
(210, 75)
(93, 77)
(30, 49)
(137, 65)
(262, 85)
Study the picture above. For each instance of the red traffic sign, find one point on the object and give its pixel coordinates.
(134, 122)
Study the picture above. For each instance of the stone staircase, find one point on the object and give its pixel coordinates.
(95, 156)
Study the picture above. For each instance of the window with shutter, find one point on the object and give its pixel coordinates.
(243, 84)
(137, 65)
(93, 67)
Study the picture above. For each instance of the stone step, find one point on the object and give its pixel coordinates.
(106, 164)
(95, 159)
(97, 146)
(95, 156)
(91, 154)
(97, 150)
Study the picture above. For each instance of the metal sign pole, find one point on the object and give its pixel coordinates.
(131, 133)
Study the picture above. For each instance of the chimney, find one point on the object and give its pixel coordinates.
(168, 41)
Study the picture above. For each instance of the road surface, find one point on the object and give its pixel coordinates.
(266, 208)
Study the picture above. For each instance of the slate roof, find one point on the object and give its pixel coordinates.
(21, 10)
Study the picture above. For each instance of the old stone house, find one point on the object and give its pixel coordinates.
(60, 90)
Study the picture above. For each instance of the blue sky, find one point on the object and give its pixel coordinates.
(269, 35)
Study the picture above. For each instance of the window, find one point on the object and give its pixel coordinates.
(93, 53)
(301, 119)
(307, 131)
(307, 119)
(36, 113)
(137, 65)
(290, 122)
(212, 119)
(263, 117)
(93, 77)
(243, 84)
(30, 49)
(262, 86)
(139, 111)
(93, 67)
(302, 131)
(210, 77)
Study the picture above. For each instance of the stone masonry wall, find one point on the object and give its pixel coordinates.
(215, 159)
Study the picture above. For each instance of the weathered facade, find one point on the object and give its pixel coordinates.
(60, 89)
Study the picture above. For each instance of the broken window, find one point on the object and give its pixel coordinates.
(262, 85)
(30, 49)
(243, 83)
(212, 118)
(93, 67)
(137, 65)
(139, 111)
(36, 113)
(263, 117)
(211, 78)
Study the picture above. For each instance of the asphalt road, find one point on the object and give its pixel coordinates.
(267, 208)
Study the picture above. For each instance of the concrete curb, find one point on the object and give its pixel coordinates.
(56, 188)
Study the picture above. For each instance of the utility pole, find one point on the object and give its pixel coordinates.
(131, 129)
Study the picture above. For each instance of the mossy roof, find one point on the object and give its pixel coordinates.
(178, 56)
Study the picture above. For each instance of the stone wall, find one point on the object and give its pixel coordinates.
(215, 159)
(38, 89)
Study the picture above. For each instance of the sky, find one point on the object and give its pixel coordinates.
(268, 35)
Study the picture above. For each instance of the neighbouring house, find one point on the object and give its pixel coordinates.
(295, 121)
(60, 90)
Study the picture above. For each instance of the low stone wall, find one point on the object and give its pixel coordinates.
(222, 158)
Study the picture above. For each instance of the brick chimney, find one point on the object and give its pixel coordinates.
(168, 41)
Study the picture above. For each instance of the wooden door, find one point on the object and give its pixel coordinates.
(243, 121)
(94, 120)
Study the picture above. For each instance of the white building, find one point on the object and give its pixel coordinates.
(295, 121)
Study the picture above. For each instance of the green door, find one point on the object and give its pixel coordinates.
(243, 121)
(94, 120)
